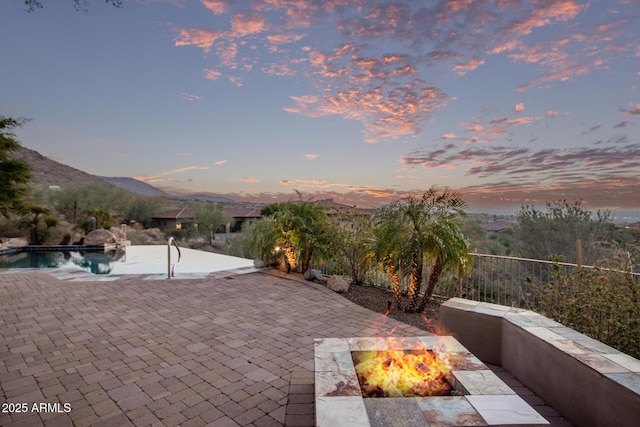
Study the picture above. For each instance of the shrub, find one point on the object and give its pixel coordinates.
(603, 304)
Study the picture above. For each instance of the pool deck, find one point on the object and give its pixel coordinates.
(225, 350)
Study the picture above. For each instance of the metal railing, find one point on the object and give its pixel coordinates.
(171, 267)
(513, 281)
(503, 280)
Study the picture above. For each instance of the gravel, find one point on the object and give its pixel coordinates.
(377, 299)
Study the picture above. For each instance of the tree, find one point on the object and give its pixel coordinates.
(297, 227)
(75, 203)
(14, 173)
(415, 229)
(553, 233)
(390, 246)
(141, 210)
(37, 234)
(80, 5)
(210, 217)
(351, 241)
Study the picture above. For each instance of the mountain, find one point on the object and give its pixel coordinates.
(135, 186)
(46, 172)
(209, 197)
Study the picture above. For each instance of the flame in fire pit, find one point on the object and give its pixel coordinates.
(396, 373)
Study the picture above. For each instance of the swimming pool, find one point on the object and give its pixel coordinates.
(94, 262)
(129, 260)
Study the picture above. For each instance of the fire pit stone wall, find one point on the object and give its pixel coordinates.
(485, 399)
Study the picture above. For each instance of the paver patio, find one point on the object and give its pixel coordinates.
(221, 351)
(216, 351)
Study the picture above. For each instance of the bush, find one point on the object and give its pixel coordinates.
(152, 236)
(603, 304)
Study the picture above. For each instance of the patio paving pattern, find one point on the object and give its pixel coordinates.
(226, 350)
(219, 351)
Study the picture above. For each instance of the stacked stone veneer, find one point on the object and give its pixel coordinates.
(487, 400)
(589, 383)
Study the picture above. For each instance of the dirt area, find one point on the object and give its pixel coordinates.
(376, 299)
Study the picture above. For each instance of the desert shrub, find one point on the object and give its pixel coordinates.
(241, 244)
(151, 236)
(11, 227)
(603, 304)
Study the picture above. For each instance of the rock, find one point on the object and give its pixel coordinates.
(99, 238)
(258, 263)
(313, 275)
(120, 235)
(14, 242)
(338, 284)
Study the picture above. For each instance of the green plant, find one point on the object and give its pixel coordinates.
(603, 304)
(14, 172)
(33, 217)
(297, 227)
(415, 229)
(350, 239)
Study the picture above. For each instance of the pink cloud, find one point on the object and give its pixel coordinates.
(311, 156)
(544, 13)
(211, 74)
(284, 38)
(519, 107)
(279, 70)
(243, 24)
(158, 176)
(201, 38)
(218, 7)
(634, 111)
(373, 71)
(462, 68)
(250, 180)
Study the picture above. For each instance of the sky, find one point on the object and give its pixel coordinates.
(511, 102)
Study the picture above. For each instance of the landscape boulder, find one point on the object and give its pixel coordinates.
(258, 263)
(120, 235)
(338, 284)
(13, 242)
(100, 238)
(313, 275)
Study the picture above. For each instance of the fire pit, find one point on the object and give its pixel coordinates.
(431, 381)
(396, 373)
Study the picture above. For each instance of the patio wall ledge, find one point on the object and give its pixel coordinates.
(588, 382)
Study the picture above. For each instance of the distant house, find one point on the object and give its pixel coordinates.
(174, 220)
(242, 217)
(185, 217)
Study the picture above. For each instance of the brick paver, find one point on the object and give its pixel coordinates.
(215, 351)
(220, 351)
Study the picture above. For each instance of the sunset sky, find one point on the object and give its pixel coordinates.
(510, 101)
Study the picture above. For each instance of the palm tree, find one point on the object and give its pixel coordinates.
(417, 228)
(390, 246)
(297, 227)
(450, 249)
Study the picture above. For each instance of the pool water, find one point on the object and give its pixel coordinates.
(94, 262)
(137, 259)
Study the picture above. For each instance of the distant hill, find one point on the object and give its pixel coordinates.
(135, 186)
(46, 172)
(208, 197)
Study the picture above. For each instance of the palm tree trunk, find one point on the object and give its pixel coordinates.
(307, 259)
(290, 255)
(415, 282)
(434, 277)
(395, 283)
